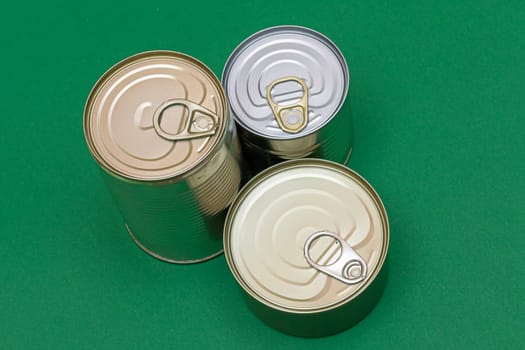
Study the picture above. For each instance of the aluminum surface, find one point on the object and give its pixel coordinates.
(272, 218)
(157, 123)
(349, 267)
(280, 52)
(129, 118)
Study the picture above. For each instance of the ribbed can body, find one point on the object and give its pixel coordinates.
(158, 125)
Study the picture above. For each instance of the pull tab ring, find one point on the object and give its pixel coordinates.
(291, 118)
(349, 268)
(200, 123)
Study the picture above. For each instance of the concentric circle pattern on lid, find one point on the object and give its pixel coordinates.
(274, 218)
(119, 115)
(277, 53)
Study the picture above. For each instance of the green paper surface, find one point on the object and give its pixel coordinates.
(438, 99)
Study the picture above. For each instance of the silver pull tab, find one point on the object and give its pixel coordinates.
(349, 268)
(200, 122)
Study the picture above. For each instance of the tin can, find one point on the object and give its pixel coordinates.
(287, 88)
(157, 124)
(307, 241)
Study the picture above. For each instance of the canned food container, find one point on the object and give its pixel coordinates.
(287, 88)
(157, 124)
(307, 241)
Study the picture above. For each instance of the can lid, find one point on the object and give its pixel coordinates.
(154, 116)
(285, 82)
(306, 235)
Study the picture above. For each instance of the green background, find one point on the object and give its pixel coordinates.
(437, 91)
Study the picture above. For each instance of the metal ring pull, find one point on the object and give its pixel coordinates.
(349, 268)
(291, 118)
(200, 123)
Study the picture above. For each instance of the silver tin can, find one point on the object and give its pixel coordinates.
(287, 87)
(157, 123)
(307, 241)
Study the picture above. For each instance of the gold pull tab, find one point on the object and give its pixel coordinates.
(200, 122)
(291, 118)
(349, 268)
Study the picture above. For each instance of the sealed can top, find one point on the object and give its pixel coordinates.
(306, 235)
(155, 116)
(285, 82)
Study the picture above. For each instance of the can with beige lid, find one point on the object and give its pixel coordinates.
(307, 242)
(157, 123)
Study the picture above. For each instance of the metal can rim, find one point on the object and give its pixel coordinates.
(295, 29)
(169, 260)
(114, 69)
(297, 163)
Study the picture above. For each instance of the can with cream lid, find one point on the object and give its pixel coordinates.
(157, 123)
(307, 241)
(287, 88)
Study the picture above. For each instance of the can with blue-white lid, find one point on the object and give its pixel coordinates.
(287, 87)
